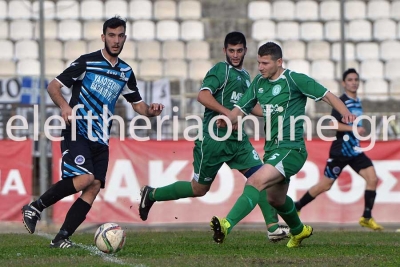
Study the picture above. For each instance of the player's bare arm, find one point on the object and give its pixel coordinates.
(54, 90)
(257, 111)
(337, 104)
(207, 99)
(234, 114)
(152, 110)
(341, 127)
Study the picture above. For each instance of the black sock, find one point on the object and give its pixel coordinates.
(369, 200)
(38, 204)
(75, 216)
(58, 191)
(307, 198)
(61, 235)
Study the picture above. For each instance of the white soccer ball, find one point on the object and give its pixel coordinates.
(110, 238)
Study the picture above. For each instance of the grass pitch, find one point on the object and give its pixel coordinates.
(196, 248)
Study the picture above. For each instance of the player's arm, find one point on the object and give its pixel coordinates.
(207, 99)
(342, 127)
(257, 111)
(337, 104)
(234, 114)
(131, 93)
(154, 109)
(67, 78)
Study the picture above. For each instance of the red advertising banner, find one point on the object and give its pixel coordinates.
(15, 178)
(134, 164)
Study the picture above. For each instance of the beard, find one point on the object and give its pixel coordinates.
(111, 53)
(230, 62)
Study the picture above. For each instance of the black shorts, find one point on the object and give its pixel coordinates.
(335, 165)
(83, 156)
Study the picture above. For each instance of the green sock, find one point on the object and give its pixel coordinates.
(243, 206)
(173, 191)
(270, 214)
(289, 214)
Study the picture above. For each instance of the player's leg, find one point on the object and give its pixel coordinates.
(76, 215)
(322, 186)
(364, 167)
(247, 161)
(288, 162)
(266, 176)
(77, 174)
(206, 163)
(333, 169)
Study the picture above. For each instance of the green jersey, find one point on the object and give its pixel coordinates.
(282, 100)
(227, 84)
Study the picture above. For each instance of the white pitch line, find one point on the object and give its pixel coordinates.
(96, 251)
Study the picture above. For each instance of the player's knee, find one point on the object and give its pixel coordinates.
(93, 189)
(87, 180)
(276, 202)
(199, 190)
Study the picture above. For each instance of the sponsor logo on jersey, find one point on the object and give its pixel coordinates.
(238, 78)
(260, 90)
(79, 160)
(276, 90)
(235, 97)
(270, 109)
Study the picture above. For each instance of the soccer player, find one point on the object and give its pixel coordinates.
(97, 80)
(220, 88)
(345, 151)
(282, 94)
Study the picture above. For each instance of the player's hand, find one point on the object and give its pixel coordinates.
(348, 118)
(66, 114)
(361, 131)
(221, 123)
(155, 109)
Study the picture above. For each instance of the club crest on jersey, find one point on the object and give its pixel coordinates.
(336, 170)
(79, 160)
(122, 75)
(238, 78)
(276, 90)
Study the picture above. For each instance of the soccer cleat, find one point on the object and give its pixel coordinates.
(220, 228)
(30, 216)
(370, 223)
(62, 243)
(295, 240)
(145, 202)
(279, 234)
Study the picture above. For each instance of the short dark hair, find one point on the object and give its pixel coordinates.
(114, 23)
(348, 71)
(271, 49)
(234, 38)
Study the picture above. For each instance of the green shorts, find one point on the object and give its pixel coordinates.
(209, 155)
(287, 161)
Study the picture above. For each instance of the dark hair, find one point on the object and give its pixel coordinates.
(348, 71)
(235, 38)
(271, 49)
(114, 23)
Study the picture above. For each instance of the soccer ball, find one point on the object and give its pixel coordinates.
(110, 238)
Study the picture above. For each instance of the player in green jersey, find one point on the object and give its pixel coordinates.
(222, 87)
(282, 94)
